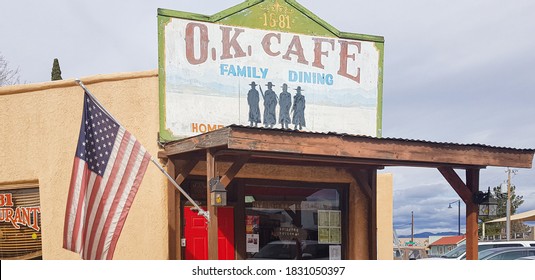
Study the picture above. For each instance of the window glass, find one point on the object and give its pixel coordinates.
(509, 255)
(499, 245)
(292, 222)
(455, 253)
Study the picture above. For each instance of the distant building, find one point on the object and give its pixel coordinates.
(446, 244)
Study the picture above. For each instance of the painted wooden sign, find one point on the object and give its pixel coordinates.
(266, 64)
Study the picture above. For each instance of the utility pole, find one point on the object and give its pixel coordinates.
(508, 210)
(412, 227)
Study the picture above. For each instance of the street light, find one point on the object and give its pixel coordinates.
(459, 216)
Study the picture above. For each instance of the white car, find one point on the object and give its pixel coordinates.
(511, 253)
(459, 253)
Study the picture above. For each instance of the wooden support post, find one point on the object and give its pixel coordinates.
(472, 209)
(239, 223)
(212, 223)
(361, 177)
(372, 179)
(173, 216)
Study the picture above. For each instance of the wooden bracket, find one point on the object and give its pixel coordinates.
(186, 170)
(456, 183)
(233, 170)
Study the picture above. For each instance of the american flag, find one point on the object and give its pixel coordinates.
(107, 171)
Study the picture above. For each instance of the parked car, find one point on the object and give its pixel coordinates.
(511, 253)
(459, 253)
(531, 258)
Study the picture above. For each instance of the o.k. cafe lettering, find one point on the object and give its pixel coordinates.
(25, 216)
(272, 44)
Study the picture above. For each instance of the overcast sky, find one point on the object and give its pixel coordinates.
(454, 71)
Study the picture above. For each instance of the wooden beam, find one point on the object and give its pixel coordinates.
(456, 183)
(472, 209)
(186, 170)
(381, 151)
(212, 223)
(386, 149)
(216, 138)
(233, 170)
(293, 159)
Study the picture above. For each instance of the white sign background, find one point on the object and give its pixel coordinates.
(213, 93)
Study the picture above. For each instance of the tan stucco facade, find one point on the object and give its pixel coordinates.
(38, 134)
(39, 131)
(385, 221)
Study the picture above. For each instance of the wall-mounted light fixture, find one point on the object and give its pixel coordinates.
(218, 193)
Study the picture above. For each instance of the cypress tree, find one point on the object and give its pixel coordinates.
(56, 71)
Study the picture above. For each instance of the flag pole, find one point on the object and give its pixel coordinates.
(205, 214)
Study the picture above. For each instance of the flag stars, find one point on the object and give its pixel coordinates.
(97, 137)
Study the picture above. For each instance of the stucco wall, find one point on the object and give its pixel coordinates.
(39, 130)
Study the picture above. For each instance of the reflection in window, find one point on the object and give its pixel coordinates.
(292, 222)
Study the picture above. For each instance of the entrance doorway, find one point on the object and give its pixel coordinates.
(196, 234)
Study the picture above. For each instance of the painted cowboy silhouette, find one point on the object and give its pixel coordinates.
(298, 109)
(285, 103)
(270, 104)
(253, 99)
